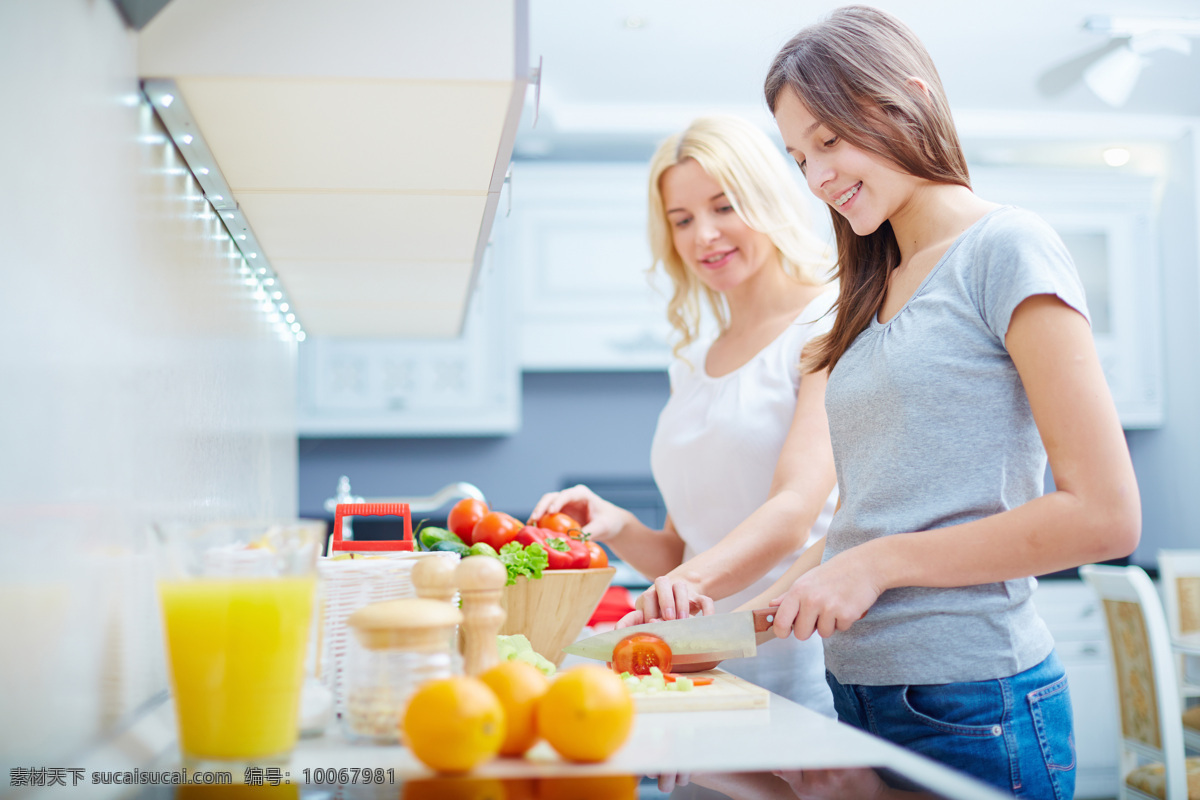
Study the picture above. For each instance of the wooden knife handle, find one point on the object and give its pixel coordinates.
(764, 618)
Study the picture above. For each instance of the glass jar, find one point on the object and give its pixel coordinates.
(395, 647)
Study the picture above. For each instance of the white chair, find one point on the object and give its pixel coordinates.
(1179, 574)
(1151, 756)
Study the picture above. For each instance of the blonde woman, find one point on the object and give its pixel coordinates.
(741, 452)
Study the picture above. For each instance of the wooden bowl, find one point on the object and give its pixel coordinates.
(552, 610)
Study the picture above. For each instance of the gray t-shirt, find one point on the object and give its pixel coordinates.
(931, 427)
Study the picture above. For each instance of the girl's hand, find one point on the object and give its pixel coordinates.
(673, 598)
(597, 516)
(829, 597)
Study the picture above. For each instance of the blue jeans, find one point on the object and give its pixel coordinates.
(1014, 733)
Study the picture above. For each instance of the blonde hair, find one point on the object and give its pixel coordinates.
(755, 178)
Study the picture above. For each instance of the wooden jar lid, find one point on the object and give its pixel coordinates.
(407, 624)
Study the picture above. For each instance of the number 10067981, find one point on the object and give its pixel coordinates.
(348, 775)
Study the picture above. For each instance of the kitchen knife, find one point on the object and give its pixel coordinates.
(694, 640)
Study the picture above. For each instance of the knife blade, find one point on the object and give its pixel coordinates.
(692, 640)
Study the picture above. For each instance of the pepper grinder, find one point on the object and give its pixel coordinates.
(433, 578)
(481, 582)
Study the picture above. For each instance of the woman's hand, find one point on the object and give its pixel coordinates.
(600, 518)
(829, 597)
(673, 598)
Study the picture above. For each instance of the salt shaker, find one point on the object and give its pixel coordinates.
(396, 646)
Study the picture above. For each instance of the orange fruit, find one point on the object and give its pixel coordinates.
(518, 686)
(454, 724)
(590, 787)
(454, 789)
(586, 714)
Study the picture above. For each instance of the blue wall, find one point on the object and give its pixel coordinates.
(573, 425)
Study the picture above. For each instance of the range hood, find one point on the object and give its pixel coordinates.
(364, 142)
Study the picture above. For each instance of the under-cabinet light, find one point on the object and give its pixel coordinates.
(1116, 156)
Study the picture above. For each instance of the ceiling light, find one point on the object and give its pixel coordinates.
(186, 138)
(202, 171)
(635, 23)
(166, 100)
(1116, 156)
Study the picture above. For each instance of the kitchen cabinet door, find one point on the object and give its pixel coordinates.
(1108, 222)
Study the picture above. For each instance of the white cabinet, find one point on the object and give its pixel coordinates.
(468, 386)
(1107, 221)
(579, 246)
(578, 242)
(1074, 617)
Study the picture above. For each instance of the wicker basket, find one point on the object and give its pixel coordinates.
(346, 585)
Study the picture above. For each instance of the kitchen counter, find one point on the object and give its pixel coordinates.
(783, 736)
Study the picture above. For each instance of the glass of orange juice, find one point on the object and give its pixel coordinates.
(237, 604)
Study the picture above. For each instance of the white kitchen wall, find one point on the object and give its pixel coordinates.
(138, 380)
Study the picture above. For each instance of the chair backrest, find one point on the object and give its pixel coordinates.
(1144, 670)
(1179, 571)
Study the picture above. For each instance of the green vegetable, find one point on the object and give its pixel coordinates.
(484, 549)
(655, 682)
(448, 546)
(518, 648)
(524, 560)
(432, 535)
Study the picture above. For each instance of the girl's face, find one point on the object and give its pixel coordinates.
(861, 186)
(710, 237)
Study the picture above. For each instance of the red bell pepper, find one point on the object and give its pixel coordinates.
(565, 552)
(558, 551)
(529, 535)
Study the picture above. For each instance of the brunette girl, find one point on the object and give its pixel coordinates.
(960, 360)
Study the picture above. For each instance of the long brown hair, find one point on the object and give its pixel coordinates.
(755, 177)
(854, 73)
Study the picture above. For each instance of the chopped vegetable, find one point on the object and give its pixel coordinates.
(656, 681)
(518, 648)
(524, 560)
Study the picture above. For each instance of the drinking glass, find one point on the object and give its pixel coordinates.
(237, 603)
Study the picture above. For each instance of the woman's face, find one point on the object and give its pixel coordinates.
(861, 186)
(710, 237)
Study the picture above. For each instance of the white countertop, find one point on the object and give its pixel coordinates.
(783, 736)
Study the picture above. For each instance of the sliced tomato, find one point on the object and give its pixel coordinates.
(637, 653)
(671, 677)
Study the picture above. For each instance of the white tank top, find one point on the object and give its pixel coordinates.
(718, 439)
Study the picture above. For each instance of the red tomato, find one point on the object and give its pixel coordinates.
(558, 522)
(636, 654)
(465, 516)
(598, 554)
(497, 529)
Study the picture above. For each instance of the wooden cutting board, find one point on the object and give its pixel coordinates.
(727, 691)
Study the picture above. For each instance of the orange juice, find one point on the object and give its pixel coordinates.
(236, 648)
